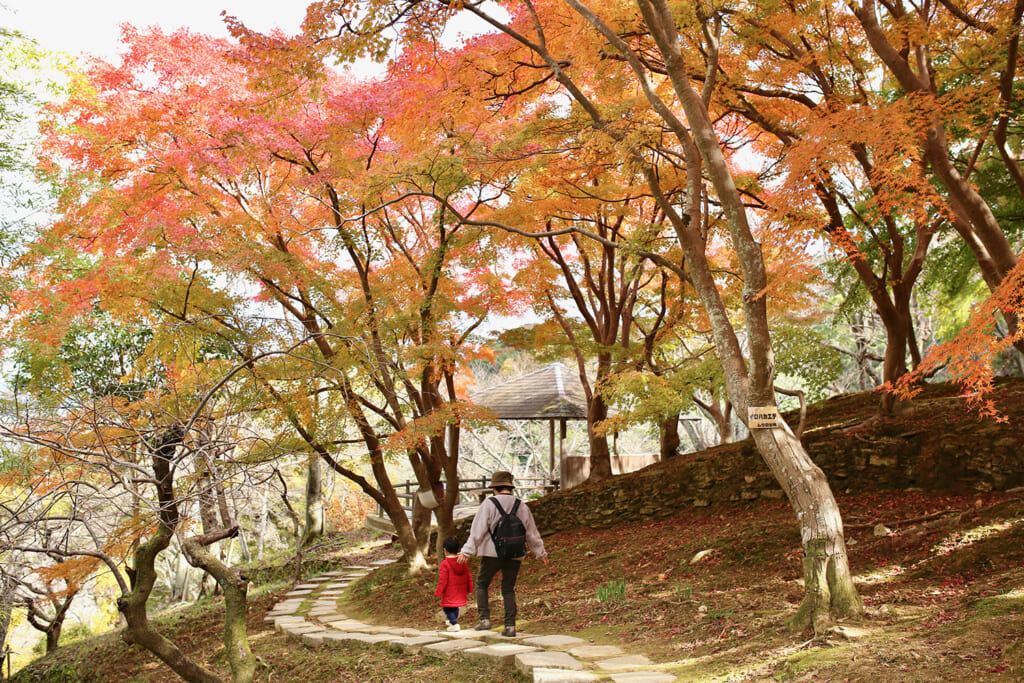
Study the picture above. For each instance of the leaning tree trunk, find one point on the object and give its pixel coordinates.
(828, 586)
(234, 585)
(750, 383)
(411, 549)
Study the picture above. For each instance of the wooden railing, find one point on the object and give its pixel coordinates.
(474, 490)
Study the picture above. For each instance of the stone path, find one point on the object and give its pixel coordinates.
(309, 613)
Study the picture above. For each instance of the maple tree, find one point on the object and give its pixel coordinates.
(363, 293)
(600, 282)
(963, 103)
(567, 43)
(823, 121)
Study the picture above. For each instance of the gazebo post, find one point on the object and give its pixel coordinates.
(561, 454)
(551, 448)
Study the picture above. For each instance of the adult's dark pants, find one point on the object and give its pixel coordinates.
(489, 566)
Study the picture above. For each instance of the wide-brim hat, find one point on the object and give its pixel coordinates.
(502, 480)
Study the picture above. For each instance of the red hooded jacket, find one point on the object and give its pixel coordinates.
(454, 583)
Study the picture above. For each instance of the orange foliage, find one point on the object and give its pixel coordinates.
(968, 358)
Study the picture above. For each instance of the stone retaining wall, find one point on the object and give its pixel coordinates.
(940, 447)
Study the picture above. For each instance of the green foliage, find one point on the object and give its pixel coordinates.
(13, 98)
(62, 672)
(76, 632)
(803, 358)
(612, 592)
(96, 357)
(12, 462)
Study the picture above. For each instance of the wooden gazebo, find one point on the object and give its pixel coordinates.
(553, 393)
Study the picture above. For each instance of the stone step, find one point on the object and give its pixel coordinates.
(596, 651)
(413, 644)
(298, 629)
(281, 623)
(347, 625)
(642, 677)
(553, 641)
(449, 647)
(313, 639)
(497, 654)
(623, 663)
(541, 675)
(342, 639)
(546, 659)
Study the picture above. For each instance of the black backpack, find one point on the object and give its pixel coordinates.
(509, 535)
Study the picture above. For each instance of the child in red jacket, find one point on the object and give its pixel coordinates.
(454, 583)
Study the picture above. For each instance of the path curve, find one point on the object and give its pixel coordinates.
(309, 613)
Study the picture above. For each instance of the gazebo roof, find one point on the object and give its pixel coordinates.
(549, 393)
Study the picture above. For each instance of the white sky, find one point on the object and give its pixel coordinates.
(91, 27)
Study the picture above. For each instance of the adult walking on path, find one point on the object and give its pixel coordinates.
(488, 532)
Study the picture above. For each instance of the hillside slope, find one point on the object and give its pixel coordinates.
(938, 444)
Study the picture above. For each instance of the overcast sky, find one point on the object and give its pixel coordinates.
(83, 26)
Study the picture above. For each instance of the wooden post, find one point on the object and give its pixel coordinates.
(551, 448)
(561, 454)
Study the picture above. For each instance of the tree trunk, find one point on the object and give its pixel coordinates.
(314, 527)
(669, 437)
(53, 637)
(412, 552)
(750, 382)
(421, 525)
(6, 605)
(895, 364)
(828, 585)
(234, 586)
(132, 605)
(600, 454)
(445, 514)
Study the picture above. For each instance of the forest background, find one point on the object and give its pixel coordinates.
(252, 271)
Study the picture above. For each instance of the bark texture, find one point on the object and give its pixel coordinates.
(234, 585)
(828, 585)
